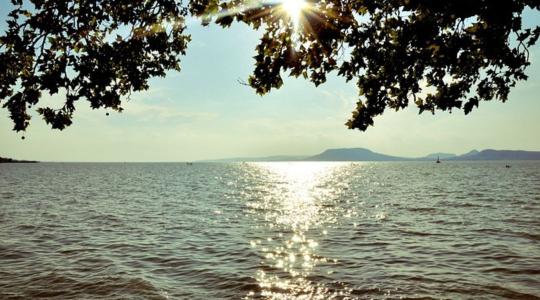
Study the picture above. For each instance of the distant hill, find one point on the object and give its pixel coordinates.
(469, 154)
(363, 154)
(353, 154)
(490, 154)
(10, 160)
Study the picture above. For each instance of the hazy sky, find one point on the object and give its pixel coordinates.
(204, 113)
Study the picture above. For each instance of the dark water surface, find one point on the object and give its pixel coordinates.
(297, 230)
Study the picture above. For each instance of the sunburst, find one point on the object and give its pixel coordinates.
(294, 9)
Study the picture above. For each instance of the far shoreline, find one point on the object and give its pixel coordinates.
(11, 160)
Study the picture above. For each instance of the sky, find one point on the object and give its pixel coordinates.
(203, 112)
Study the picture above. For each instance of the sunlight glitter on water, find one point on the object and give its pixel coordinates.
(298, 206)
(298, 196)
(413, 230)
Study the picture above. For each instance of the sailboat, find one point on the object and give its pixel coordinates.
(438, 160)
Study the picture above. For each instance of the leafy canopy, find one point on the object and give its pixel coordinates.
(442, 55)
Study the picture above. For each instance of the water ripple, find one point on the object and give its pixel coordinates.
(270, 231)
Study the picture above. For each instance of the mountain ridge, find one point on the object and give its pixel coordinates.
(364, 154)
(353, 154)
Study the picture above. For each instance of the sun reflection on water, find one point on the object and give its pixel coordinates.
(295, 211)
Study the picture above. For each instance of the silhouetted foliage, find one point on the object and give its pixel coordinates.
(442, 55)
(95, 50)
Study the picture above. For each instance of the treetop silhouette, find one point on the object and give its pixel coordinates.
(441, 55)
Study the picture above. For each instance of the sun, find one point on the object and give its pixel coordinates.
(294, 9)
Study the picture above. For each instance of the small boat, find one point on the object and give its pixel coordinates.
(508, 166)
(438, 160)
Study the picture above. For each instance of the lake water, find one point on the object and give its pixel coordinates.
(299, 230)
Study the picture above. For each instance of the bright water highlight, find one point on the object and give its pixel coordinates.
(298, 230)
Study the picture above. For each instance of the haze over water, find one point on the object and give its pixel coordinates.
(287, 230)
